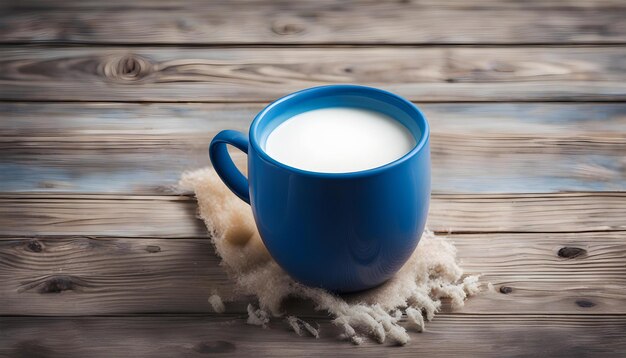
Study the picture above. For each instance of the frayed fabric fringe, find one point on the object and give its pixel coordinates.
(431, 274)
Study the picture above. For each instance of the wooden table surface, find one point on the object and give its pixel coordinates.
(104, 103)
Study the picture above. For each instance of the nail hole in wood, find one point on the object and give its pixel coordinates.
(585, 303)
(506, 289)
(569, 252)
(214, 347)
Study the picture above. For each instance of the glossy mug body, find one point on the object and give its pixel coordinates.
(341, 231)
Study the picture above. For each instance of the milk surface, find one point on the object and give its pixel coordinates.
(339, 140)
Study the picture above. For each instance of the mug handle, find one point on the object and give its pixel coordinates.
(223, 163)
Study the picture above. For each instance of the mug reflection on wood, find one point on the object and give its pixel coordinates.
(341, 231)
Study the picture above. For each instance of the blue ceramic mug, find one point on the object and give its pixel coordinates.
(341, 231)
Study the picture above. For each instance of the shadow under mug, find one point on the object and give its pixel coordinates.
(341, 231)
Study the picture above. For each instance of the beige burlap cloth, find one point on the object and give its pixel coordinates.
(415, 292)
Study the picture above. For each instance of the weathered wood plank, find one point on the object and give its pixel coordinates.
(263, 74)
(143, 149)
(87, 276)
(190, 336)
(567, 212)
(314, 22)
(162, 216)
(532, 273)
(174, 216)
(182, 4)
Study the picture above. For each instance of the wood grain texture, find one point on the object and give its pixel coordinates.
(566, 212)
(88, 275)
(174, 216)
(89, 225)
(263, 74)
(191, 336)
(120, 5)
(139, 216)
(143, 149)
(314, 22)
(105, 276)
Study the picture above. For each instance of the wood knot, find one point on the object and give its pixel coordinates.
(57, 284)
(568, 252)
(287, 27)
(506, 289)
(585, 303)
(34, 246)
(214, 347)
(126, 68)
(53, 284)
(153, 249)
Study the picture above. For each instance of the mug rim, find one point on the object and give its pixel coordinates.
(420, 142)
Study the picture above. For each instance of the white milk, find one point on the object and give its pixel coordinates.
(339, 140)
